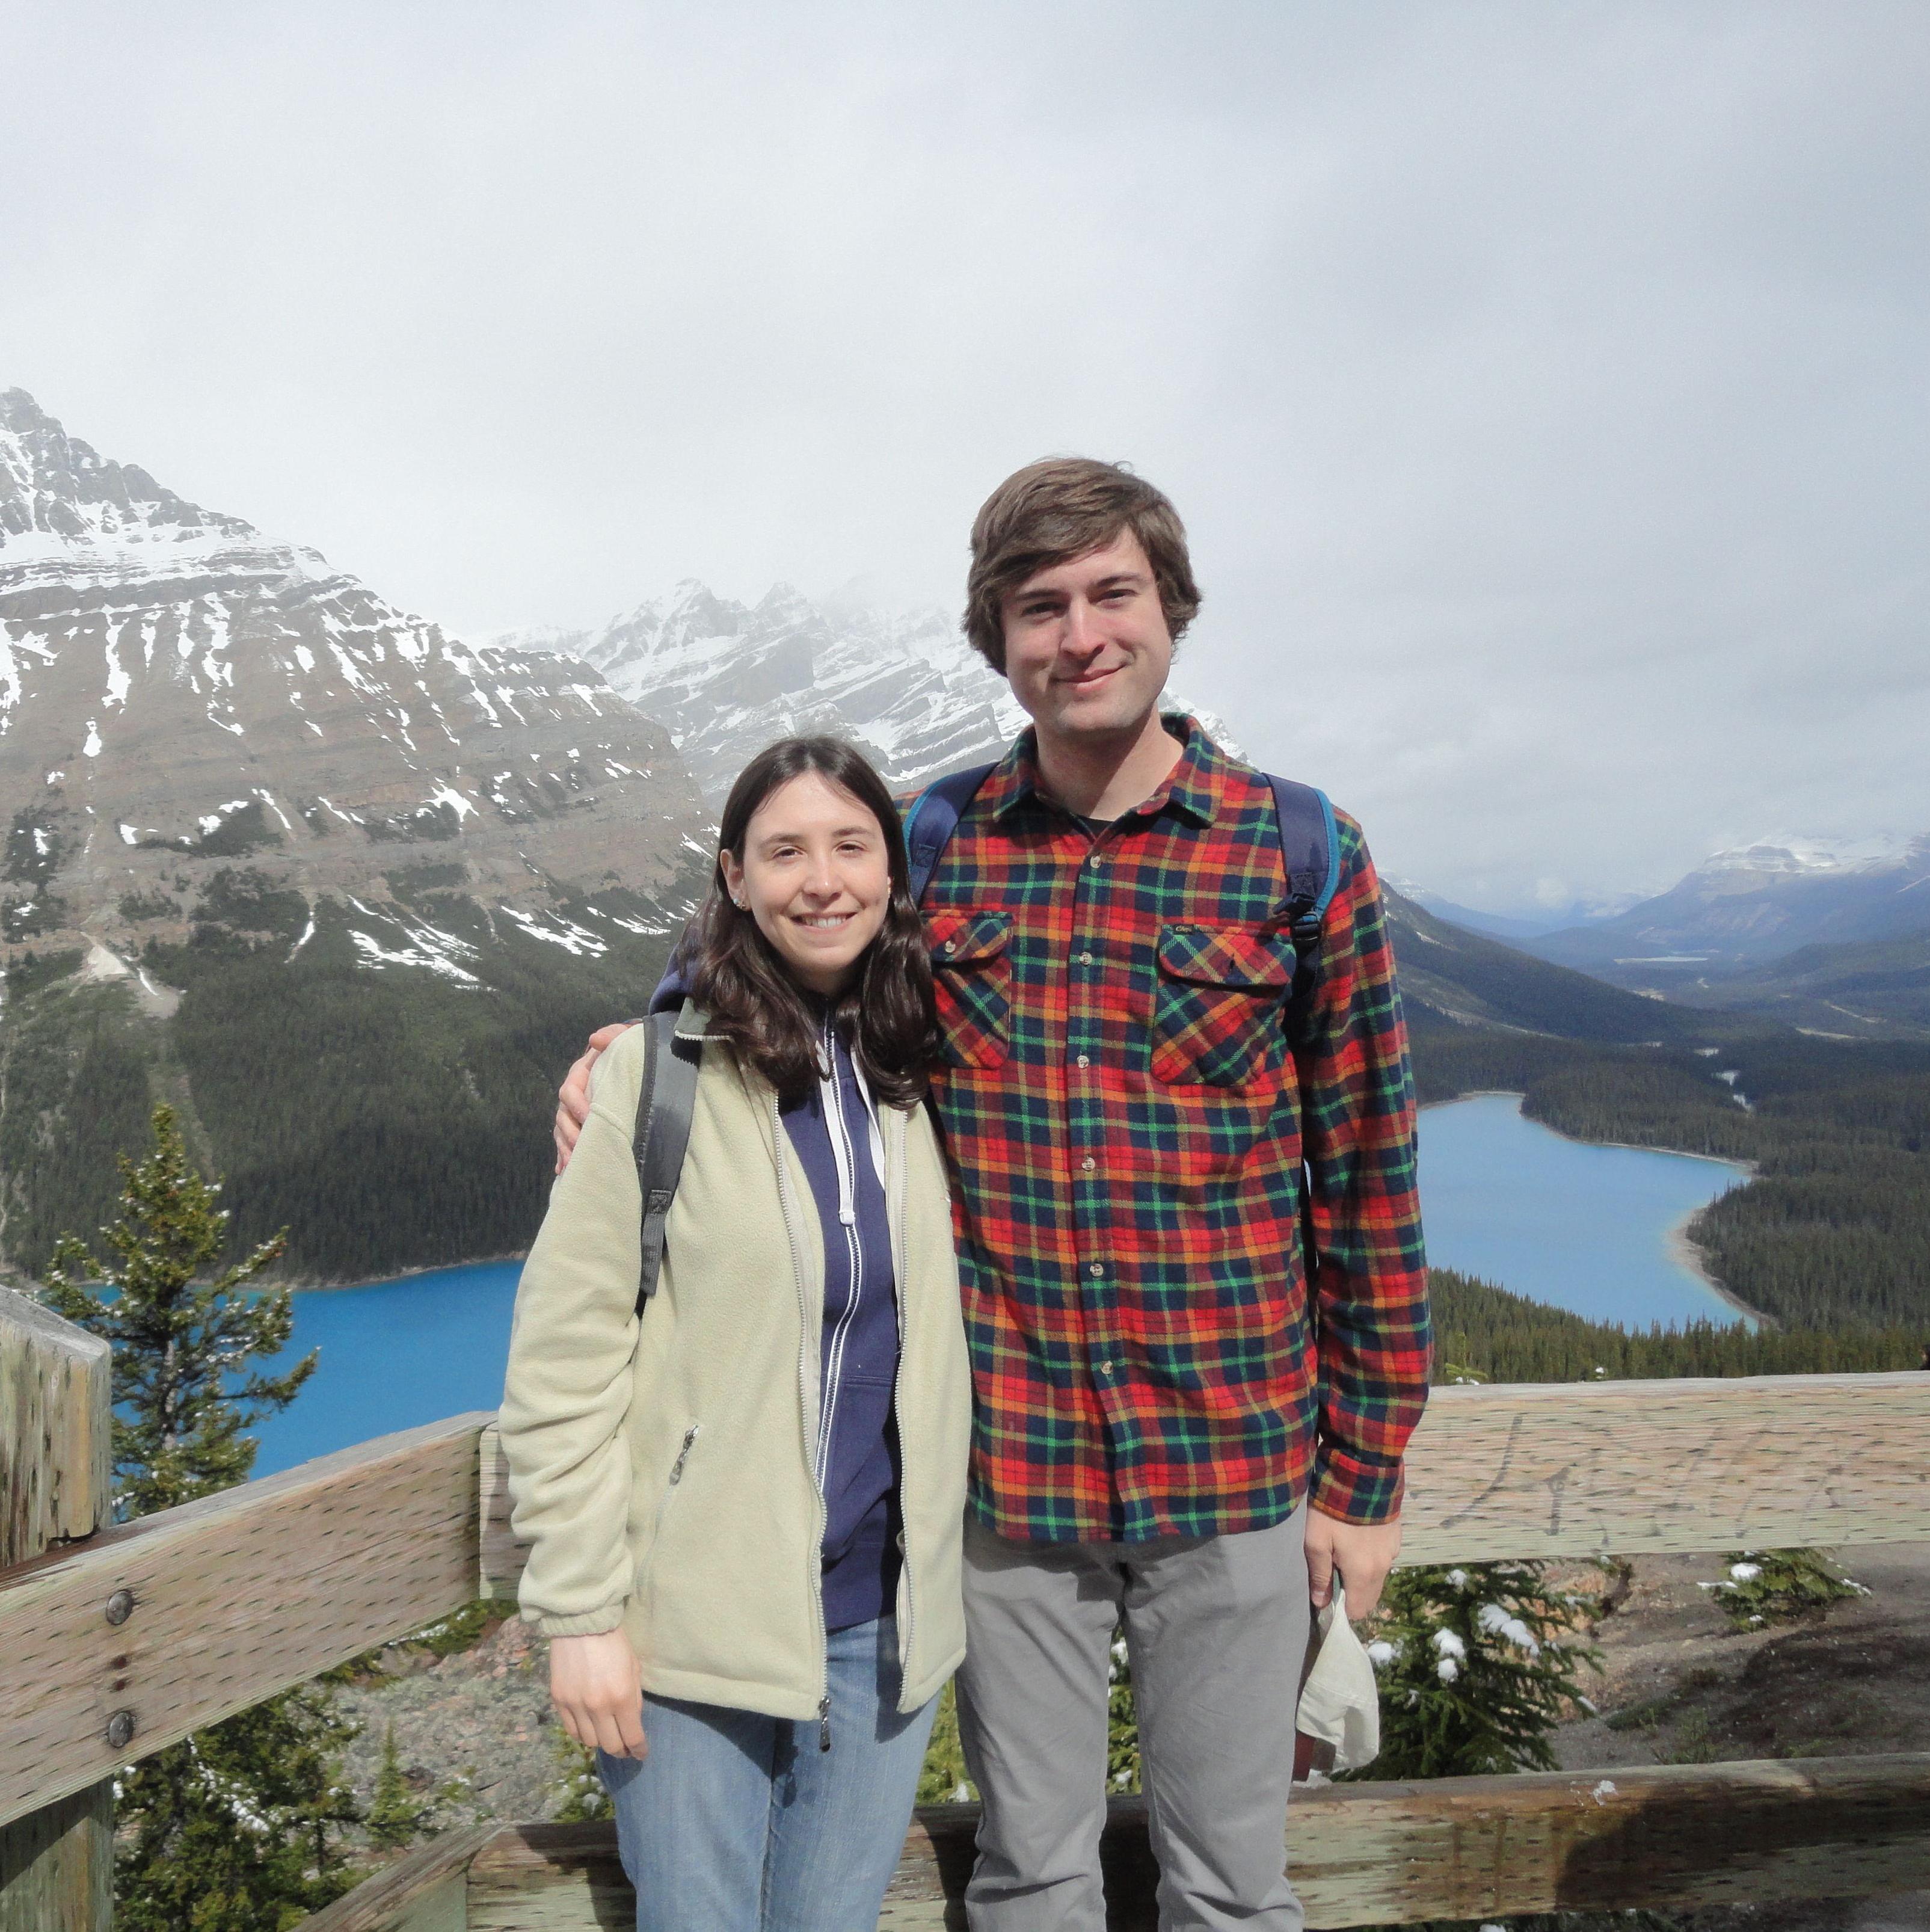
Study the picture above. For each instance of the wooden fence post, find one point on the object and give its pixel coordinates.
(56, 1487)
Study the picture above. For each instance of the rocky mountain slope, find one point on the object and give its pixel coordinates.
(179, 693)
(346, 891)
(726, 678)
(1752, 903)
(1451, 977)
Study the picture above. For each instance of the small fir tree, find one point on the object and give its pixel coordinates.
(395, 1819)
(1476, 1665)
(179, 1343)
(1780, 1586)
(239, 1828)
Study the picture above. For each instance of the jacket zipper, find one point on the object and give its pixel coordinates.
(813, 1337)
(901, 1136)
(676, 1476)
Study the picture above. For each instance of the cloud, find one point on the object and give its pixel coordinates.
(1543, 387)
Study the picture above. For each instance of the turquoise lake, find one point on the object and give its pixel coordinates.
(1584, 1227)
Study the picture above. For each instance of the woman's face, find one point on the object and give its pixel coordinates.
(816, 877)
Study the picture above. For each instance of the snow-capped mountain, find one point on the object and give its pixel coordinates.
(726, 678)
(1792, 856)
(178, 692)
(1750, 904)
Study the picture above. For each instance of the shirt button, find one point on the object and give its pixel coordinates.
(1096, 1267)
(948, 946)
(1085, 959)
(1105, 1368)
(1086, 1166)
(1084, 1059)
(1094, 859)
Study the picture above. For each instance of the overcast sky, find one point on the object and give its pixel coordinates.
(1545, 386)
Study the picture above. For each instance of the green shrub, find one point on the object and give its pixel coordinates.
(1477, 1664)
(1780, 1586)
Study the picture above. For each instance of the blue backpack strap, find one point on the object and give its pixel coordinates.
(1310, 848)
(932, 818)
(1310, 845)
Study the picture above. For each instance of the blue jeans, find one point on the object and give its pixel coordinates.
(739, 1823)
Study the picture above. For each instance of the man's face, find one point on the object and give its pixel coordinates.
(1086, 646)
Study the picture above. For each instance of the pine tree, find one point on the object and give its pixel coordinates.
(178, 1342)
(1780, 1586)
(394, 1818)
(239, 1827)
(1476, 1665)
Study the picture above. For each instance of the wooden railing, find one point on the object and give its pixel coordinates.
(121, 1642)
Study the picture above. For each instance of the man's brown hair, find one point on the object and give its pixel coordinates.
(1051, 511)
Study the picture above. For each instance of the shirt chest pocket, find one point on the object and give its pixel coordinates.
(1216, 1009)
(971, 977)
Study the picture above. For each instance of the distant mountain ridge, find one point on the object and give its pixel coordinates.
(1451, 977)
(1749, 904)
(726, 678)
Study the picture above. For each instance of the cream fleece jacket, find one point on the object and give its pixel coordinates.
(660, 1468)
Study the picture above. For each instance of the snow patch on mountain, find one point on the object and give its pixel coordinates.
(216, 696)
(1787, 855)
(726, 678)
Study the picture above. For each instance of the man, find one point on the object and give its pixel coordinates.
(1184, 1422)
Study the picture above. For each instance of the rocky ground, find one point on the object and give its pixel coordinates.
(1679, 1686)
(473, 1732)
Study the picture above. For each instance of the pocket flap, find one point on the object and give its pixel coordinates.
(1225, 956)
(960, 936)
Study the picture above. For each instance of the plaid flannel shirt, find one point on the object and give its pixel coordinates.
(1135, 1143)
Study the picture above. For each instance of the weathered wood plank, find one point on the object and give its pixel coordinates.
(234, 1597)
(1585, 1469)
(502, 1556)
(1456, 1848)
(56, 1452)
(426, 1891)
(57, 1864)
(1595, 1468)
(1658, 1835)
(56, 1487)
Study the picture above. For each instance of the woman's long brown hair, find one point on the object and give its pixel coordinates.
(886, 1012)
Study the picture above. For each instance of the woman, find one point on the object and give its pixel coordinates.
(743, 1506)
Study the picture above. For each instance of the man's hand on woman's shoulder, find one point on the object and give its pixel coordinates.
(573, 1096)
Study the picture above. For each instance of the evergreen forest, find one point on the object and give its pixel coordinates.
(388, 1119)
(400, 1118)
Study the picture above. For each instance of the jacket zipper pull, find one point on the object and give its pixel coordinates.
(677, 1467)
(824, 1725)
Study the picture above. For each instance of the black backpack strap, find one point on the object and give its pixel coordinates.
(934, 816)
(663, 1111)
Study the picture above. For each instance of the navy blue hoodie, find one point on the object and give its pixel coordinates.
(834, 1132)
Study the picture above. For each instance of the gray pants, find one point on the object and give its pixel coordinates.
(1216, 1627)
